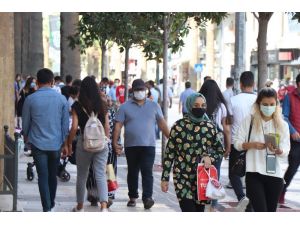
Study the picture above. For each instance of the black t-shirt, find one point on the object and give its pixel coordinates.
(65, 90)
(83, 117)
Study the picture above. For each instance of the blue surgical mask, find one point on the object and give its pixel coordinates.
(267, 110)
(32, 85)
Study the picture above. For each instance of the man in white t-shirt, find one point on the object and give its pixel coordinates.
(241, 107)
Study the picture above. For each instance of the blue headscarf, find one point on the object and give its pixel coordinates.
(189, 105)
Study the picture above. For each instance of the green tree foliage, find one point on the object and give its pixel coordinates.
(178, 29)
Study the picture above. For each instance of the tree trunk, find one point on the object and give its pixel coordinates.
(7, 71)
(165, 75)
(239, 48)
(18, 41)
(32, 43)
(103, 59)
(69, 58)
(262, 54)
(210, 51)
(126, 72)
(157, 72)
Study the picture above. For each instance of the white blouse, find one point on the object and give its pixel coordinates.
(256, 159)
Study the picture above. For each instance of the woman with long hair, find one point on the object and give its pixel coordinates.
(217, 112)
(91, 184)
(28, 89)
(269, 142)
(89, 101)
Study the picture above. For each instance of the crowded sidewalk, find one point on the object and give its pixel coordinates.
(29, 199)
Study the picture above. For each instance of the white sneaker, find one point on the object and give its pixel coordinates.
(77, 210)
(242, 205)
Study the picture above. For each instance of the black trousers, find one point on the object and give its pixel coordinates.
(189, 205)
(294, 162)
(263, 191)
(140, 158)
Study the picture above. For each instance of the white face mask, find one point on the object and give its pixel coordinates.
(139, 95)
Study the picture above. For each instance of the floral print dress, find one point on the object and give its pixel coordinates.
(187, 144)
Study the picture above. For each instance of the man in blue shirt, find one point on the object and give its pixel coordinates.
(183, 96)
(46, 125)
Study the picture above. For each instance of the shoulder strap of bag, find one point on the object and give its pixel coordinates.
(87, 113)
(250, 128)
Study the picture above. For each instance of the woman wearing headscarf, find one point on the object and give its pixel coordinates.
(192, 138)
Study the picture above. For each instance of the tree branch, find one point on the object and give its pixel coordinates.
(255, 15)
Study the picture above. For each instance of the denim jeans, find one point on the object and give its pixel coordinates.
(294, 162)
(46, 166)
(234, 179)
(140, 158)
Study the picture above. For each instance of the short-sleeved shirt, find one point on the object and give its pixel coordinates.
(184, 95)
(228, 94)
(221, 113)
(139, 122)
(120, 93)
(241, 107)
(83, 117)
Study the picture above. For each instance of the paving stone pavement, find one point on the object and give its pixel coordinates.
(29, 200)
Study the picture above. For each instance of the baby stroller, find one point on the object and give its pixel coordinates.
(62, 173)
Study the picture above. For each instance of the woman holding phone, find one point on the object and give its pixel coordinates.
(264, 177)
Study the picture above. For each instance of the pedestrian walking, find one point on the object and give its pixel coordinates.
(169, 94)
(139, 115)
(91, 183)
(46, 126)
(291, 106)
(183, 96)
(218, 112)
(89, 103)
(192, 138)
(17, 87)
(229, 93)
(65, 90)
(264, 177)
(241, 108)
(120, 93)
(28, 89)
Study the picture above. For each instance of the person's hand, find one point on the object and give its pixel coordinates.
(259, 145)
(207, 162)
(295, 136)
(65, 151)
(271, 147)
(164, 186)
(118, 148)
(226, 154)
